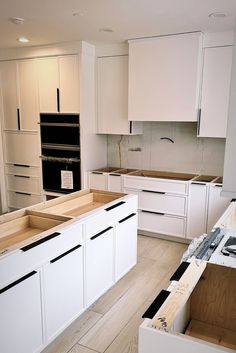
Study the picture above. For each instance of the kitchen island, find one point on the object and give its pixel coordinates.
(57, 258)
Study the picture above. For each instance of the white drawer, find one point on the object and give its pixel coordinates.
(144, 183)
(15, 264)
(22, 169)
(163, 224)
(114, 182)
(111, 214)
(23, 183)
(97, 181)
(162, 202)
(17, 199)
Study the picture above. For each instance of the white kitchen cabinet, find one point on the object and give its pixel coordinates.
(20, 95)
(215, 91)
(125, 245)
(97, 180)
(112, 97)
(99, 264)
(217, 204)
(59, 84)
(197, 209)
(63, 290)
(21, 315)
(164, 78)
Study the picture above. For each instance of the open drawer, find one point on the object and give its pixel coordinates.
(196, 314)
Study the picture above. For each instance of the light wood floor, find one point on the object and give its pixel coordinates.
(111, 323)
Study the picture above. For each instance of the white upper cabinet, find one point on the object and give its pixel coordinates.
(20, 94)
(164, 78)
(215, 91)
(59, 84)
(112, 94)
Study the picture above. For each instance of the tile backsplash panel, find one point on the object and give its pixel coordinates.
(188, 153)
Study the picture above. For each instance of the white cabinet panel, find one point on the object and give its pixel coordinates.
(18, 199)
(21, 315)
(63, 290)
(197, 210)
(125, 245)
(99, 264)
(23, 183)
(9, 93)
(164, 76)
(114, 182)
(22, 148)
(97, 181)
(22, 169)
(215, 91)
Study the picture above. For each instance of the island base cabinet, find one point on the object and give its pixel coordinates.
(99, 264)
(126, 245)
(63, 290)
(21, 315)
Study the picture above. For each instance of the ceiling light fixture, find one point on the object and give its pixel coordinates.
(218, 15)
(108, 30)
(23, 40)
(78, 14)
(17, 20)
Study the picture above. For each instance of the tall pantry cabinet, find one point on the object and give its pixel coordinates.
(51, 84)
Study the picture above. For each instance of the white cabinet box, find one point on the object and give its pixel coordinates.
(215, 91)
(164, 77)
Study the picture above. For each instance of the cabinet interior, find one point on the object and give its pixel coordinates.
(83, 204)
(205, 178)
(164, 175)
(23, 228)
(210, 313)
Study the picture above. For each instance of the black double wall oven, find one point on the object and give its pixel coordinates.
(60, 152)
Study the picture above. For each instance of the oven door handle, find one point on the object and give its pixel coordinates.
(60, 159)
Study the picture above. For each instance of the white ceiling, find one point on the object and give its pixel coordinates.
(52, 21)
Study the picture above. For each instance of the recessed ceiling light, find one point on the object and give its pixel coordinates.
(23, 40)
(78, 14)
(108, 30)
(218, 14)
(17, 20)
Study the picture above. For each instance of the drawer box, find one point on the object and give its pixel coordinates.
(165, 203)
(26, 233)
(163, 224)
(17, 199)
(22, 170)
(28, 184)
(144, 183)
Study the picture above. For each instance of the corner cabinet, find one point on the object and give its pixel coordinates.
(112, 97)
(164, 77)
(59, 84)
(215, 91)
(20, 95)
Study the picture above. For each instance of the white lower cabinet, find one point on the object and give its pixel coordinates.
(97, 181)
(99, 264)
(125, 245)
(21, 315)
(63, 290)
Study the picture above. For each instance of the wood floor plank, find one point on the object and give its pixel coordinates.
(69, 337)
(80, 349)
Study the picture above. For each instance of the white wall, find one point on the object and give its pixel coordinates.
(188, 153)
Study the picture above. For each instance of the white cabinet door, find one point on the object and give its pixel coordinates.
(63, 290)
(97, 181)
(9, 94)
(21, 320)
(215, 91)
(217, 204)
(112, 92)
(99, 264)
(69, 84)
(164, 76)
(197, 210)
(125, 245)
(28, 94)
(48, 84)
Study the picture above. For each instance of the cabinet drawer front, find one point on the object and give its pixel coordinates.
(163, 224)
(18, 263)
(114, 183)
(112, 213)
(22, 169)
(162, 203)
(17, 199)
(177, 187)
(97, 181)
(23, 183)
